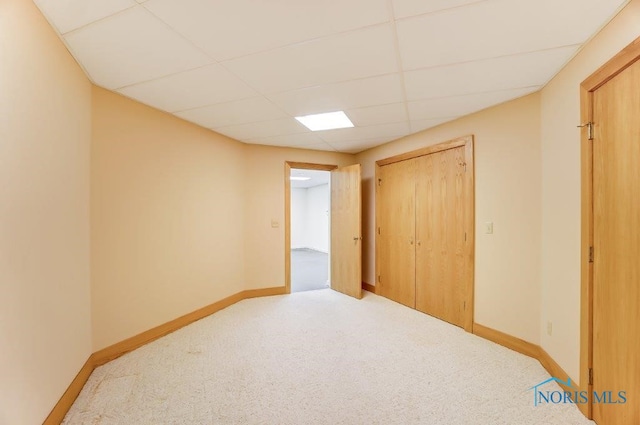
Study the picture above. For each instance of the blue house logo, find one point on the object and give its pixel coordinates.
(539, 396)
(575, 396)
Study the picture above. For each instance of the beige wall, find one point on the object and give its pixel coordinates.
(507, 164)
(264, 201)
(181, 216)
(45, 325)
(167, 231)
(560, 275)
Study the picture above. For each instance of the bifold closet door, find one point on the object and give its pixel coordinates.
(440, 235)
(396, 227)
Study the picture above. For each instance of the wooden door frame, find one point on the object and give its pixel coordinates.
(288, 165)
(467, 142)
(624, 59)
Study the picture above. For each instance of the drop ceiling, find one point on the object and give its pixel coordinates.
(316, 178)
(246, 68)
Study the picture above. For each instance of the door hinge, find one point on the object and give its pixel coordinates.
(589, 126)
(379, 182)
(590, 376)
(591, 254)
(378, 230)
(378, 278)
(465, 236)
(464, 305)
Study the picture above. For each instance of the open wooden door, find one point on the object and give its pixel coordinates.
(346, 240)
(616, 249)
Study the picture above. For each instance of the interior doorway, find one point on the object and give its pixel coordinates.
(345, 224)
(310, 229)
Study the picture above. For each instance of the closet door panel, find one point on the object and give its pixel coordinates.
(396, 238)
(440, 263)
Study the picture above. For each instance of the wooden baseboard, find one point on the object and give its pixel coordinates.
(116, 350)
(506, 340)
(64, 404)
(554, 369)
(368, 287)
(528, 349)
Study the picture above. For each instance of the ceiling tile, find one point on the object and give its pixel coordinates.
(473, 32)
(232, 28)
(301, 139)
(356, 54)
(280, 127)
(379, 114)
(420, 125)
(392, 130)
(132, 47)
(67, 15)
(319, 147)
(357, 146)
(233, 113)
(462, 105)
(204, 86)
(507, 72)
(405, 8)
(341, 96)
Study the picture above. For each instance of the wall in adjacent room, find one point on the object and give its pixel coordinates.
(45, 133)
(318, 217)
(298, 217)
(507, 193)
(560, 272)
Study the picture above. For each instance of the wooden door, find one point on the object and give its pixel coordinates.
(616, 239)
(440, 235)
(346, 240)
(396, 232)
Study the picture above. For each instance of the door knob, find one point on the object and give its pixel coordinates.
(357, 238)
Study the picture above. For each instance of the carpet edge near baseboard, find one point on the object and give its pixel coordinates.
(531, 350)
(112, 352)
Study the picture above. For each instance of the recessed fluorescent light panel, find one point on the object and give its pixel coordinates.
(299, 178)
(328, 121)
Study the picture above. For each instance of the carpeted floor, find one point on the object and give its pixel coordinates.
(319, 357)
(309, 270)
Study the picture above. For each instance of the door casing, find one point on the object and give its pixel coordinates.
(625, 58)
(288, 165)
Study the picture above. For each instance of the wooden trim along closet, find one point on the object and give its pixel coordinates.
(425, 230)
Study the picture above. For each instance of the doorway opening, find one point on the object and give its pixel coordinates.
(310, 229)
(344, 265)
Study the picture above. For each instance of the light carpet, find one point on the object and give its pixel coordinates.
(319, 357)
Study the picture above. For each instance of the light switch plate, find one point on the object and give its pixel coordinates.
(274, 223)
(488, 227)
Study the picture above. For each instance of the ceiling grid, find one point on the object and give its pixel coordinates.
(246, 68)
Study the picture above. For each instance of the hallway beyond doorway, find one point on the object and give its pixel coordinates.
(309, 270)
